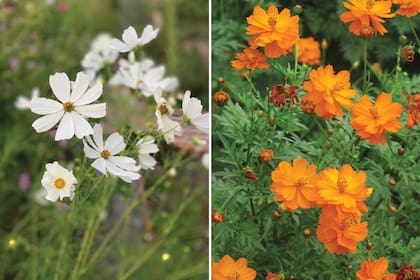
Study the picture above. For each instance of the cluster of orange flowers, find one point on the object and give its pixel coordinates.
(277, 33)
(329, 92)
(340, 194)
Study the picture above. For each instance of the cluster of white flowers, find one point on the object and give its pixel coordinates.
(76, 102)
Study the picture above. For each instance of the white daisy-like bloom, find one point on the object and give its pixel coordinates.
(24, 103)
(73, 110)
(131, 40)
(100, 54)
(105, 155)
(58, 182)
(166, 126)
(124, 66)
(142, 76)
(191, 108)
(146, 147)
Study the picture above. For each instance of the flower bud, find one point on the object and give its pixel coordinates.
(369, 245)
(307, 106)
(367, 31)
(407, 53)
(220, 80)
(307, 232)
(276, 215)
(266, 155)
(221, 98)
(392, 182)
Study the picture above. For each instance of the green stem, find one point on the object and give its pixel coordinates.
(365, 78)
(326, 134)
(414, 31)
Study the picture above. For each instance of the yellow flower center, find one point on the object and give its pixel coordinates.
(374, 112)
(234, 276)
(59, 183)
(163, 109)
(301, 182)
(272, 21)
(105, 154)
(341, 184)
(139, 82)
(68, 106)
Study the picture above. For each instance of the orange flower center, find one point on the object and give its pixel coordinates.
(374, 112)
(105, 154)
(68, 106)
(272, 21)
(346, 223)
(370, 4)
(59, 183)
(339, 85)
(234, 276)
(341, 184)
(301, 182)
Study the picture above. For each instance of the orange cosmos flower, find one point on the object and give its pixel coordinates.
(413, 106)
(275, 31)
(372, 120)
(366, 16)
(251, 59)
(272, 276)
(375, 269)
(294, 185)
(408, 8)
(217, 217)
(309, 51)
(328, 91)
(228, 269)
(345, 188)
(340, 231)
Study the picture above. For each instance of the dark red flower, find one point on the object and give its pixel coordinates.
(407, 53)
(413, 106)
(407, 272)
(283, 94)
(217, 217)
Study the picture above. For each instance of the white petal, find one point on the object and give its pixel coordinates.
(130, 37)
(89, 152)
(22, 103)
(194, 108)
(117, 44)
(80, 86)
(81, 126)
(98, 136)
(92, 110)
(47, 122)
(154, 75)
(60, 85)
(201, 122)
(52, 195)
(114, 143)
(169, 84)
(148, 34)
(65, 129)
(148, 148)
(99, 164)
(91, 95)
(44, 106)
(126, 175)
(147, 162)
(186, 100)
(123, 162)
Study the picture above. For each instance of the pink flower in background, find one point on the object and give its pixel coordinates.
(24, 181)
(14, 63)
(62, 7)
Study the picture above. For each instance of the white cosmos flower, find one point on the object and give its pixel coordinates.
(191, 108)
(166, 126)
(24, 103)
(131, 39)
(147, 146)
(58, 182)
(100, 54)
(73, 110)
(105, 155)
(148, 79)
(205, 160)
